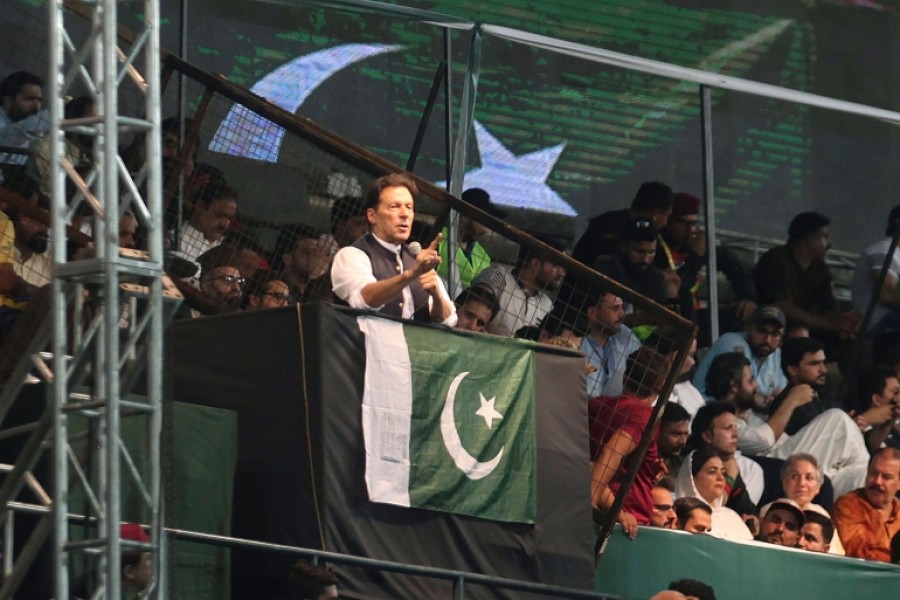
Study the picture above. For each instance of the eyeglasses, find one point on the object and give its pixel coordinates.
(228, 279)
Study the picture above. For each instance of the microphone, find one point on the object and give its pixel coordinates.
(414, 249)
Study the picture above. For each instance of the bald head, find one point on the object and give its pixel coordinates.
(668, 595)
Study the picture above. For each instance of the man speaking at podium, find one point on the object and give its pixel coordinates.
(379, 272)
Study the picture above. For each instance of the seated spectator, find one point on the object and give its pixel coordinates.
(716, 428)
(14, 290)
(220, 279)
(348, 220)
(31, 259)
(761, 344)
(303, 257)
(878, 407)
(249, 256)
(475, 308)
(693, 515)
(693, 589)
(681, 251)
(128, 231)
(781, 523)
(137, 565)
(795, 278)
(523, 292)
(556, 332)
(663, 513)
(607, 345)
(617, 425)
(21, 117)
(884, 325)
(471, 257)
(214, 208)
(704, 478)
(816, 532)
(632, 264)
(78, 148)
(604, 233)
(674, 429)
(868, 518)
(266, 290)
(803, 362)
(801, 481)
(832, 437)
(684, 392)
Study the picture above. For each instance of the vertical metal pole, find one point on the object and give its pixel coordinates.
(458, 170)
(709, 210)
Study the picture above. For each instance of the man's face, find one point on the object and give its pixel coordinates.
(276, 294)
(473, 316)
(31, 232)
(780, 527)
(213, 221)
(347, 231)
(673, 437)
(550, 275)
(127, 231)
(689, 361)
(662, 515)
(819, 243)
(882, 481)
(889, 395)
(698, 521)
(723, 435)
(764, 339)
(139, 576)
(811, 538)
(639, 255)
(392, 219)
(311, 257)
(746, 387)
(607, 315)
(25, 104)
(223, 284)
(681, 228)
(811, 369)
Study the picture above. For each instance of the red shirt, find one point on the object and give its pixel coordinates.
(630, 414)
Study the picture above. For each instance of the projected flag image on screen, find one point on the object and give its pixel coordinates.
(449, 428)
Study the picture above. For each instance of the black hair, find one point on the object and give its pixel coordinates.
(652, 196)
(479, 294)
(871, 381)
(12, 83)
(805, 224)
(703, 420)
(725, 369)
(692, 587)
(373, 195)
(794, 349)
(686, 505)
(674, 413)
(827, 525)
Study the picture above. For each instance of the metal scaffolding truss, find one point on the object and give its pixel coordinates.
(103, 329)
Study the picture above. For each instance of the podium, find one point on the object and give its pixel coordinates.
(293, 380)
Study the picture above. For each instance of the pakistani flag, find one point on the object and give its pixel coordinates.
(449, 428)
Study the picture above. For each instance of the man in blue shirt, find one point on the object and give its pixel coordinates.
(21, 117)
(761, 344)
(607, 346)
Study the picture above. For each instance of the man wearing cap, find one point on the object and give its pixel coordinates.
(632, 265)
(137, 565)
(781, 523)
(682, 251)
(868, 518)
(760, 342)
(884, 327)
(471, 257)
(379, 272)
(603, 236)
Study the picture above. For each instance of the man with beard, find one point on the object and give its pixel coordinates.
(716, 426)
(781, 523)
(607, 346)
(220, 279)
(674, 429)
(303, 257)
(832, 437)
(761, 344)
(522, 292)
(663, 513)
(803, 362)
(21, 117)
(633, 265)
(868, 518)
(816, 533)
(32, 261)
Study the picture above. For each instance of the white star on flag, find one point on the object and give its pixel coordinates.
(488, 411)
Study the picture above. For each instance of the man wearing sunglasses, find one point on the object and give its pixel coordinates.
(760, 342)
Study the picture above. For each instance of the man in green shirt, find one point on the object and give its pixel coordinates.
(471, 257)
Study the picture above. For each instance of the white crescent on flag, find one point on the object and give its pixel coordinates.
(465, 462)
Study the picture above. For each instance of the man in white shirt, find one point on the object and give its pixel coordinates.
(215, 207)
(378, 271)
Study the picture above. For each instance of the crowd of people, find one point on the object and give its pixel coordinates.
(755, 442)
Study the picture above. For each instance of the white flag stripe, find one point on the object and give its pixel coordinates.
(386, 410)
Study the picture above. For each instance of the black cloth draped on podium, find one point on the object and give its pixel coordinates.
(294, 377)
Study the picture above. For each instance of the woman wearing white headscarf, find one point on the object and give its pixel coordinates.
(705, 480)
